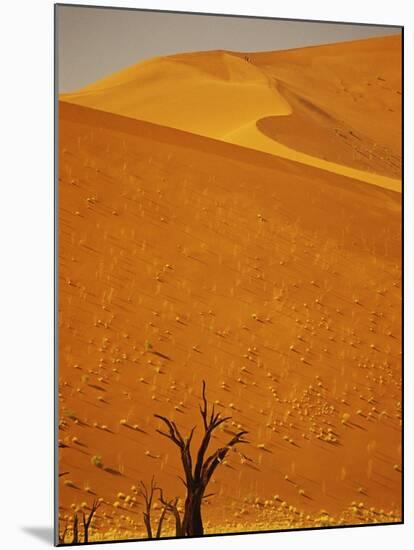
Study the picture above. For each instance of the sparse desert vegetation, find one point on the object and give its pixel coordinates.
(191, 256)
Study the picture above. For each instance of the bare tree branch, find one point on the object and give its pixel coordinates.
(87, 519)
(171, 506)
(147, 495)
(184, 445)
(160, 522)
(62, 534)
(203, 409)
(209, 427)
(173, 435)
(183, 481)
(196, 482)
(218, 456)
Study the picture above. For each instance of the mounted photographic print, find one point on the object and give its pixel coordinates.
(228, 274)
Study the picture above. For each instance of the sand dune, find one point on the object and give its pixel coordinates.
(250, 133)
(209, 93)
(358, 83)
(277, 282)
(336, 107)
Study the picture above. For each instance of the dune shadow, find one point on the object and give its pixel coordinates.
(335, 443)
(252, 466)
(135, 429)
(355, 425)
(162, 355)
(79, 450)
(95, 387)
(112, 471)
(74, 486)
(266, 450)
(106, 429)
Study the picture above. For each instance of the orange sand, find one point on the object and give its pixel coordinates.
(223, 258)
(336, 107)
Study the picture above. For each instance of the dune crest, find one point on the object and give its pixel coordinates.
(271, 101)
(210, 98)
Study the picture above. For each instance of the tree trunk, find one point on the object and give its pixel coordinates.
(192, 523)
(147, 521)
(179, 531)
(75, 538)
(160, 522)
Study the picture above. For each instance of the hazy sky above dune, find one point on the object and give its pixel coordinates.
(94, 42)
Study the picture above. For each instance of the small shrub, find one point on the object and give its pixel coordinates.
(70, 414)
(97, 461)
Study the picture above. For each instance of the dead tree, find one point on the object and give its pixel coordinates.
(148, 495)
(197, 477)
(75, 537)
(160, 522)
(63, 533)
(87, 519)
(171, 507)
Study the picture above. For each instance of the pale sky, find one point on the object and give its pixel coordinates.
(95, 42)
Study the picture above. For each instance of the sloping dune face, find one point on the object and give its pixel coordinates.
(346, 102)
(336, 107)
(204, 93)
(183, 258)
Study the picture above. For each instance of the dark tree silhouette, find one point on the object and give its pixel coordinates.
(87, 519)
(171, 507)
(197, 477)
(148, 495)
(75, 537)
(62, 533)
(160, 522)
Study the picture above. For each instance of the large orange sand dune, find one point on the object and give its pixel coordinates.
(335, 107)
(276, 282)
